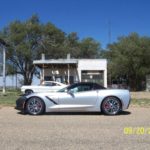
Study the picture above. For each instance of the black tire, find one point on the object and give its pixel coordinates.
(111, 105)
(27, 92)
(35, 106)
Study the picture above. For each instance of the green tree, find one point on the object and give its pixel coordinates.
(89, 48)
(52, 42)
(129, 57)
(22, 38)
(72, 45)
(86, 48)
(28, 39)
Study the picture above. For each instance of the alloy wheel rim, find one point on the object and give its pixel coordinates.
(34, 106)
(111, 105)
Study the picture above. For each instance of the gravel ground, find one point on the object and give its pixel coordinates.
(73, 131)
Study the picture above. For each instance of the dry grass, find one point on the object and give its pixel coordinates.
(140, 95)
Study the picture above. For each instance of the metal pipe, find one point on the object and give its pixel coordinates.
(4, 70)
(68, 74)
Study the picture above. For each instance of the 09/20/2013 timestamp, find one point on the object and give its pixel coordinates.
(136, 130)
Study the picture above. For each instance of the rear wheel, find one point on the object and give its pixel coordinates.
(35, 106)
(111, 106)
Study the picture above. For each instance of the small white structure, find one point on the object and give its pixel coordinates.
(73, 70)
(148, 83)
(12, 81)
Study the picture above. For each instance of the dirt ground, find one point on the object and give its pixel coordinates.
(74, 131)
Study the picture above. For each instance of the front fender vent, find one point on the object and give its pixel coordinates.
(51, 100)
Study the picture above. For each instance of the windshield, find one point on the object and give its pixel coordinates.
(63, 89)
(66, 88)
(81, 87)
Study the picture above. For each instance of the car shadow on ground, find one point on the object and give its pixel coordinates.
(85, 113)
(79, 113)
(124, 113)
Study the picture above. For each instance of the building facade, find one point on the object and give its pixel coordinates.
(73, 70)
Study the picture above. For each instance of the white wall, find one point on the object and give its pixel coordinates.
(93, 64)
(11, 81)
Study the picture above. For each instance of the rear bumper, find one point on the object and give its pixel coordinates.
(129, 103)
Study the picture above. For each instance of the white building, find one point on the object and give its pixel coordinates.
(73, 70)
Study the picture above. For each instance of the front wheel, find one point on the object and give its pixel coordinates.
(111, 105)
(35, 106)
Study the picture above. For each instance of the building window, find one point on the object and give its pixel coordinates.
(93, 76)
(48, 78)
(71, 79)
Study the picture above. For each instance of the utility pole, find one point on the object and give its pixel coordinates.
(109, 41)
(4, 69)
(3, 45)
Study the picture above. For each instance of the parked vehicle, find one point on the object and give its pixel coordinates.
(46, 86)
(76, 97)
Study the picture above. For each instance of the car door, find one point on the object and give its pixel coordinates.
(79, 97)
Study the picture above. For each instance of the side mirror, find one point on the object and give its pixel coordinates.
(70, 93)
(66, 91)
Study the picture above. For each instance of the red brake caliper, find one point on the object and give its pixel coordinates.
(107, 106)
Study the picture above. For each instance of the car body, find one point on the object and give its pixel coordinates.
(78, 97)
(46, 86)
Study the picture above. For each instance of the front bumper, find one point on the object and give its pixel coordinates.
(20, 103)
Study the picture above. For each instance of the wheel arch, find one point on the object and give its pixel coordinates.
(28, 90)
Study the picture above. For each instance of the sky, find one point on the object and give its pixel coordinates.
(89, 18)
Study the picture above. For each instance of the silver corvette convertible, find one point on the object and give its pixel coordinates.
(78, 97)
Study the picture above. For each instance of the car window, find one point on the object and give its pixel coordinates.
(50, 84)
(97, 87)
(80, 88)
(63, 90)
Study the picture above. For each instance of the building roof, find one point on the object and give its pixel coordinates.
(72, 62)
(56, 61)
